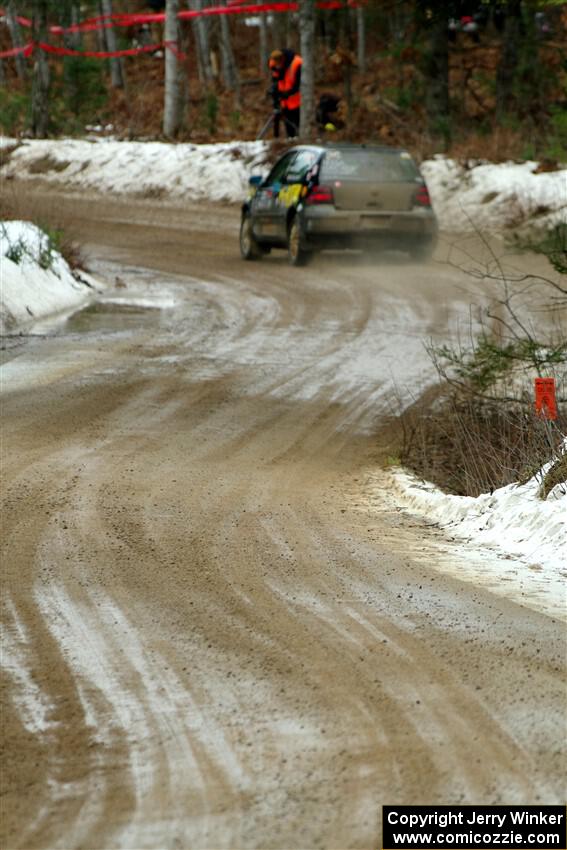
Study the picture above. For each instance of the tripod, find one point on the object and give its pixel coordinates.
(275, 119)
(276, 116)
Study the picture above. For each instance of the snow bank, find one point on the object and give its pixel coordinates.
(512, 521)
(495, 197)
(217, 172)
(35, 280)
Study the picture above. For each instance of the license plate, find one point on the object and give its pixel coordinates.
(371, 222)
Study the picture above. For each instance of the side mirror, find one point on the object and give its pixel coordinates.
(255, 181)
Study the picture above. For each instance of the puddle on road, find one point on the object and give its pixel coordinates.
(101, 318)
(114, 317)
(70, 344)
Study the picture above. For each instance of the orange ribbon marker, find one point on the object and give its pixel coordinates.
(545, 403)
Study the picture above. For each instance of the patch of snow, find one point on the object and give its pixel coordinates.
(147, 302)
(464, 196)
(35, 280)
(218, 172)
(136, 697)
(513, 521)
(492, 196)
(34, 705)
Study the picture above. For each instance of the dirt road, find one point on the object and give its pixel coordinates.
(213, 638)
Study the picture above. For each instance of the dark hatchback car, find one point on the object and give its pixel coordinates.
(339, 196)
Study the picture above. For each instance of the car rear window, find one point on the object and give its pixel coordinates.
(384, 166)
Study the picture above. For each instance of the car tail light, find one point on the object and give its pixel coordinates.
(320, 195)
(422, 198)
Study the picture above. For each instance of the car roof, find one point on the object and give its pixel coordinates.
(326, 146)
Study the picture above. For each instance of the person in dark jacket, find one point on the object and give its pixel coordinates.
(285, 68)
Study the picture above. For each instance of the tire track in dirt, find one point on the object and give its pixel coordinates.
(228, 647)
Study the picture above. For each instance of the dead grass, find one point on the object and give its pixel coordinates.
(6, 152)
(42, 211)
(45, 164)
(71, 251)
(502, 144)
(468, 446)
(556, 474)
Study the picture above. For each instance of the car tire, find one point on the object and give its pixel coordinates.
(249, 247)
(296, 253)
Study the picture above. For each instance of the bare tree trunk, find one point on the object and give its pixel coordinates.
(229, 69)
(173, 101)
(40, 81)
(184, 40)
(263, 41)
(347, 78)
(100, 35)
(15, 33)
(74, 38)
(307, 49)
(436, 70)
(201, 33)
(509, 58)
(68, 15)
(348, 60)
(280, 29)
(116, 71)
(361, 39)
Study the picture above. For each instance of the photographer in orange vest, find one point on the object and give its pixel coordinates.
(285, 68)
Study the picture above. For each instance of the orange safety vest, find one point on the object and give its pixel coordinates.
(293, 102)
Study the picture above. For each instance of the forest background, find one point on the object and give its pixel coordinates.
(473, 79)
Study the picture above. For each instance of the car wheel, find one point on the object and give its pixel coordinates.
(297, 255)
(249, 247)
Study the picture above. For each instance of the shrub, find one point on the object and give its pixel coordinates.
(14, 111)
(53, 243)
(211, 112)
(470, 446)
(78, 95)
(481, 430)
(16, 251)
(58, 241)
(552, 244)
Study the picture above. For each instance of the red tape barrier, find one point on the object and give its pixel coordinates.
(236, 7)
(28, 49)
(98, 54)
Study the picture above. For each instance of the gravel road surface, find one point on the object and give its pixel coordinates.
(213, 637)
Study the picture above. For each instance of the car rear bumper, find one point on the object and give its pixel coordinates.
(327, 227)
